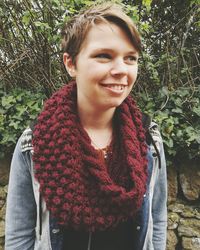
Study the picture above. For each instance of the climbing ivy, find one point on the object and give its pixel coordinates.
(168, 80)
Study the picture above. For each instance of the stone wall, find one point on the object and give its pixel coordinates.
(4, 175)
(183, 205)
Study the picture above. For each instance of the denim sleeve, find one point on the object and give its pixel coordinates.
(159, 204)
(21, 206)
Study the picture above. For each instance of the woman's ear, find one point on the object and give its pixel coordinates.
(69, 65)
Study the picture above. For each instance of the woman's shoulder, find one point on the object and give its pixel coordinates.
(155, 131)
(151, 128)
(26, 140)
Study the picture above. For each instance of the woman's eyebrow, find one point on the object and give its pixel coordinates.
(132, 52)
(104, 49)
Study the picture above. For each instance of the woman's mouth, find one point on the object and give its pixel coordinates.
(115, 88)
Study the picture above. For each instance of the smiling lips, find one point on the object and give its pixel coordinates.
(117, 88)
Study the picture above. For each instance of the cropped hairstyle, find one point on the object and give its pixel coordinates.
(75, 30)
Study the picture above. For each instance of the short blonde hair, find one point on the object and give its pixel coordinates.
(75, 30)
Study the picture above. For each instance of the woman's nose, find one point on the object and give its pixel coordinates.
(119, 67)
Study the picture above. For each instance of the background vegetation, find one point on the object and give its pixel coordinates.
(168, 83)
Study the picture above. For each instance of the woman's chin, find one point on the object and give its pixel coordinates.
(114, 104)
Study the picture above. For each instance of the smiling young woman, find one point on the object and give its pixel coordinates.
(108, 51)
(84, 177)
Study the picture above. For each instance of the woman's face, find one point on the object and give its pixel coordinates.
(106, 67)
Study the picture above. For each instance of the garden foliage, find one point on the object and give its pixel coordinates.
(168, 83)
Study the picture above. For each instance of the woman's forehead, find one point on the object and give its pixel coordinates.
(105, 35)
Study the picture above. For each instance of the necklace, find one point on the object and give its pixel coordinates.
(102, 151)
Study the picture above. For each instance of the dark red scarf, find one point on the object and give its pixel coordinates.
(80, 190)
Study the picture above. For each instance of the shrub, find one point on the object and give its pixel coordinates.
(17, 109)
(177, 113)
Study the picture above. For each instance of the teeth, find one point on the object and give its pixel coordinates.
(116, 87)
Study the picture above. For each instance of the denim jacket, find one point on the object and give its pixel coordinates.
(29, 225)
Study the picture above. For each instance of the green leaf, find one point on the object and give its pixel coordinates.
(198, 138)
(177, 110)
(169, 142)
(42, 25)
(147, 4)
(196, 110)
(14, 124)
(56, 2)
(26, 18)
(21, 110)
(8, 101)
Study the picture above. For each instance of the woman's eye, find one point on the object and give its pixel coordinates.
(131, 59)
(103, 56)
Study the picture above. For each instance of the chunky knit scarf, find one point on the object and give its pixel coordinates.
(80, 190)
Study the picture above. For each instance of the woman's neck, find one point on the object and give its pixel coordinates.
(98, 125)
(96, 119)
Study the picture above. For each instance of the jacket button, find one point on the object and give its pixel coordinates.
(144, 195)
(138, 228)
(154, 154)
(55, 231)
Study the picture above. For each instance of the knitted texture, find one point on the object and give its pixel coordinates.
(80, 190)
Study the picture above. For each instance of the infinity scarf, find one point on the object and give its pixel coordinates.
(80, 190)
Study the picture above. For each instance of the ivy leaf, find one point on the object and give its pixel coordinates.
(169, 142)
(177, 110)
(26, 18)
(56, 2)
(198, 138)
(14, 124)
(42, 25)
(8, 101)
(196, 110)
(21, 110)
(147, 4)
